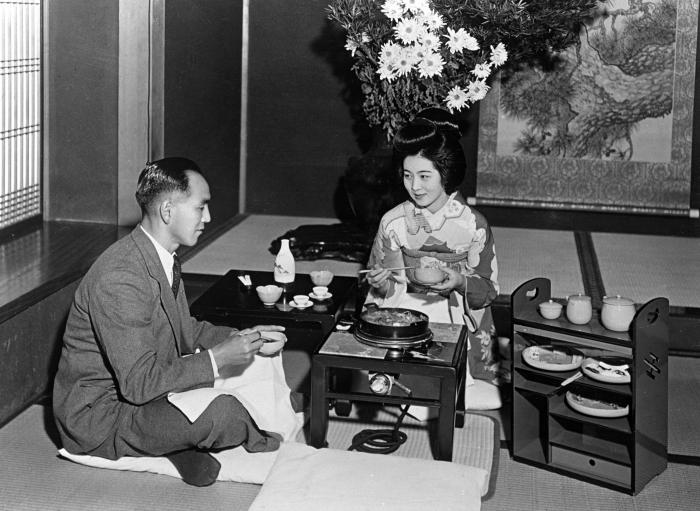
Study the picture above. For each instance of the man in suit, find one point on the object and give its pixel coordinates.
(130, 341)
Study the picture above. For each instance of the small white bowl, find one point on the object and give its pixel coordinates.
(428, 275)
(270, 347)
(321, 277)
(550, 309)
(269, 294)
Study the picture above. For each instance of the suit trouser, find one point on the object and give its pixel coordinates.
(159, 428)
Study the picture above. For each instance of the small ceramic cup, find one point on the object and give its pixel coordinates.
(320, 291)
(579, 309)
(550, 309)
(301, 300)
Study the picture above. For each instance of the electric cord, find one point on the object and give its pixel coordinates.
(381, 441)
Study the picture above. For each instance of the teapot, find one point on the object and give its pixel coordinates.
(617, 313)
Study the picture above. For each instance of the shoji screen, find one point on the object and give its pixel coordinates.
(20, 110)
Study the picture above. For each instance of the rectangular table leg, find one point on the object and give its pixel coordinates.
(446, 419)
(459, 414)
(318, 426)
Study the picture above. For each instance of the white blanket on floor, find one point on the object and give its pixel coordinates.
(261, 388)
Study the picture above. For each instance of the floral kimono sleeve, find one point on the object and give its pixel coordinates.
(481, 269)
(386, 252)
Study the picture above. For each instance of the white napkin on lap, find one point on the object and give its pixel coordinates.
(261, 388)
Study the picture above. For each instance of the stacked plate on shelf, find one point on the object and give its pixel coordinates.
(606, 370)
(552, 358)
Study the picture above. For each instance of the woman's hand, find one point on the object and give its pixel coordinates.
(453, 281)
(378, 278)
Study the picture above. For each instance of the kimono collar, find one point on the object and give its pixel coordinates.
(421, 218)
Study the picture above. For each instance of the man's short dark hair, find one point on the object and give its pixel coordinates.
(166, 175)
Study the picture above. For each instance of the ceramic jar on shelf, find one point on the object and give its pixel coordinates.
(617, 313)
(579, 309)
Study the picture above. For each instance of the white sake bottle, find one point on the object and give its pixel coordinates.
(284, 264)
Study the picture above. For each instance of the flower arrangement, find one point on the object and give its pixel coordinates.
(411, 54)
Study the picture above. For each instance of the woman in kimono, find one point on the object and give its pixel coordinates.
(436, 228)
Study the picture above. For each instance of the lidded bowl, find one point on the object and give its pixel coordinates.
(617, 313)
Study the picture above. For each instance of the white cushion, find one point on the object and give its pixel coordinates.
(482, 395)
(236, 464)
(308, 479)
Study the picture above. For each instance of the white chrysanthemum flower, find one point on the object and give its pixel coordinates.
(481, 70)
(433, 21)
(386, 71)
(457, 40)
(499, 55)
(430, 42)
(389, 53)
(393, 9)
(419, 53)
(406, 61)
(351, 46)
(417, 6)
(456, 98)
(365, 37)
(476, 90)
(470, 43)
(422, 33)
(408, 30)
(430, 65)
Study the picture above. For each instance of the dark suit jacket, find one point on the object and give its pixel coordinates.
(123, 343)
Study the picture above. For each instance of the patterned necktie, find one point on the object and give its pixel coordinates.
(177, 268)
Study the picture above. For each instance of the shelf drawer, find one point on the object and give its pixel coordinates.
(591, 466)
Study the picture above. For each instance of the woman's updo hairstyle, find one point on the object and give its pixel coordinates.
(434, 134)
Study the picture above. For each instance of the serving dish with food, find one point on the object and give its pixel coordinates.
(394, 328)
(552, 358)
(595, 407)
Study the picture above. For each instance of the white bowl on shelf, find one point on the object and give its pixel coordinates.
(550, 309)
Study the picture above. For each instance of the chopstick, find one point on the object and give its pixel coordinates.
(390, 269)
(558, 390)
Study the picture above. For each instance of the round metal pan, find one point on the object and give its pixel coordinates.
(413, 330)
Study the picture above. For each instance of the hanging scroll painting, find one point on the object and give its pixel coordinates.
(608, 127)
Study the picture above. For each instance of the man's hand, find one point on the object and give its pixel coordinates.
(241, 346)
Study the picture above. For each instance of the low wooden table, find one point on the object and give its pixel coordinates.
(230, 302)
(443, 371)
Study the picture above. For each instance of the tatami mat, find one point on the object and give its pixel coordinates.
(34, 478)
(246, 247)
(528, 253)
(643, 267)
(523, 487)
(684, 406)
